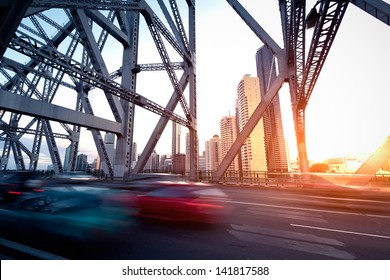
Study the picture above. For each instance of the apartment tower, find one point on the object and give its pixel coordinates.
(253, 150)
(228, 129)
(213, 153)
(273, 129)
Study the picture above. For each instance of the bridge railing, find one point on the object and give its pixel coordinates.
(281, 179)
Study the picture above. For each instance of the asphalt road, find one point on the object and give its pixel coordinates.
(278, 224)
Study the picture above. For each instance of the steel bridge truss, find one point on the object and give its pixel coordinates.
(301, 71)
(38, 67)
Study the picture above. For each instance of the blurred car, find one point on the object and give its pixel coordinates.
(13, 185)
(79, 213)
(182, 202)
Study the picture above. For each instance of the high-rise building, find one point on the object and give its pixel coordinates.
(213, 153)
(134, 156)
(166, 163)
(82, 162)
(202, 162)
(188, 151)
(109, 142)
(253, 155)
(228, 129)
(273, 129)
(67, 158)
(179, 163)
(153, 163)
(176, 135)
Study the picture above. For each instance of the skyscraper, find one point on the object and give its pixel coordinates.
(153, 163)
(67, 159)
(134, 156)
(82, 162)
(188, 150)
(273, 127)
(202, 162)
(176, 135)
(228, 128)
(179, 163)
(213, 153)
(253, 150)
(109, 142)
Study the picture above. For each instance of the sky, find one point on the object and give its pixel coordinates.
(348, 112)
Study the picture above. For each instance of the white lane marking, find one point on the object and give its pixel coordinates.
(330, 198)
(296, 245)
(305, 209)
(342, 231)
(29, 250)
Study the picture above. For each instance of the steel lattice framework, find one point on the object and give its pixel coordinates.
(37, 67)
(72, 59)
(299, 70)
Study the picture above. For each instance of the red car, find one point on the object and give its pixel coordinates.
(184, 202)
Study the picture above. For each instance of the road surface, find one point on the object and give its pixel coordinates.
(263, 223)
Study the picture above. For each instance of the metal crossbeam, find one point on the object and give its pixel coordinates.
(377, 8)
(123, 5)
(42, 53)
(21, 131)
(167, 63)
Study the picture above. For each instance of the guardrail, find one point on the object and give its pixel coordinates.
(299, 179)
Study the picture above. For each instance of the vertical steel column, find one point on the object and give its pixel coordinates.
(11, 22)
(124, 146)
(194, 146)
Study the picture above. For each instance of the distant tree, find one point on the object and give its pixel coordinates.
(319, 167)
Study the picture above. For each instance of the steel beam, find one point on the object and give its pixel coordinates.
(191, 66)
(124, 147)
(10, 22)
(377, 8)
(331, 14)
(73, 68)
(257, 29)
(122, 5)
(32, 107)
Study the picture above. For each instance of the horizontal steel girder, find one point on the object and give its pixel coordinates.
(376, 8)
(22, 104)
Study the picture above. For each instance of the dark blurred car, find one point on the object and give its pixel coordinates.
(182, 202)
(74, 212)
(13, 185)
